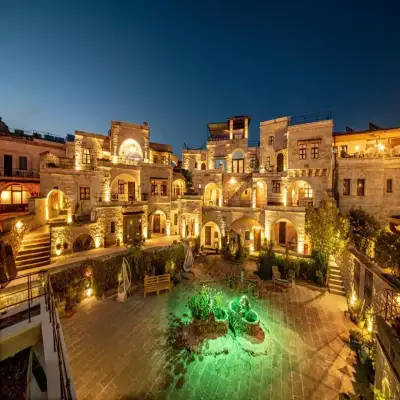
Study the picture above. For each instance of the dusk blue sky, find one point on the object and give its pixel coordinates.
(69, 65)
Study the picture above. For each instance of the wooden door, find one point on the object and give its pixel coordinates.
(282, 232)
(156, 223)
(131, 191)
(257, 240)
(208, 235)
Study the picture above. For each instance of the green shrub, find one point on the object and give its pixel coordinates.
(206, 303)
(387, 251)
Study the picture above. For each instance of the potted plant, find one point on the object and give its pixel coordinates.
(243, 318)
(69, 307)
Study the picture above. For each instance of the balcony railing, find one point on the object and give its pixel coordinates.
(121, 197)
(19, 173)
(239, 203)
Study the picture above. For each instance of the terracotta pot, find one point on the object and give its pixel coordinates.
(69, 313)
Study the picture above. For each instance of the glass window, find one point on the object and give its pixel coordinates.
(270, 140)
(154, 188)
(23, 163)
(164, 188)
(308, 191)
(315, 150)
(155, 159)
(247, 235)
(276, 186)
(346, 187)
(112, 228)
(238, 166)
(84, 193)
(121, 187)
(14, 194)
(85, 156)
(389, 186)
(220, 163)
(302, 151)
(163, 160)
(360, 187)
(343, 150)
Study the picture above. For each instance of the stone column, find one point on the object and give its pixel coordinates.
(254, 196)
(246, 128)
(230, 129)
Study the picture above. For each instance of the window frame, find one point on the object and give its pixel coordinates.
(276, 186)
(121, 187)
(271, 140)
(314, 150)
(86, 156)
(247, 235)
(361, 187)
(84, 193)
(154, 188)
(302, 151)
(21, 167)
(112, 227)
(164, 188)
(346, 192)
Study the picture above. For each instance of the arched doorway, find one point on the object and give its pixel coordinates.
(83, 242)
(130, 151)
(57, 204)
(280, 162)
(238, 161)
(211, 195)
(301, 194)
(284, 234)
(124, 188)
(261, 194)
(178, 187)
(203, 166)
(14, 198)
(158, 223)
(248, 231)
(211, 236)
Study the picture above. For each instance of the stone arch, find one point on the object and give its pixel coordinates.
(58, 205)
(83, 242)
(284, 233)
(124, 187)
(249, 231)
(178, 187)
(260, 193)
(130, 150)
(238, 156)
(211, 194)
(211, 235)
(158, 222)
(203, 166)
(300, 193)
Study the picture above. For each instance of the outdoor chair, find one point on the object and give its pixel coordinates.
(275, 273)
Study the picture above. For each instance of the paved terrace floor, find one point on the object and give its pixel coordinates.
(120, 350)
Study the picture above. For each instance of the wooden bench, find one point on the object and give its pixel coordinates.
(157, 283)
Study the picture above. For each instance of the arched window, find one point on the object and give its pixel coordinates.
(238, 162)
(178, 187)
(280, 162)
(203, 166)
(195, 165)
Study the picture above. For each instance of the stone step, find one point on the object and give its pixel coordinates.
(34, 265)
(28, 254)
(334, 269)
(33, 249)
(337, 292)
(333, 281)
(33, 260)
(36, 243)
(335, 286)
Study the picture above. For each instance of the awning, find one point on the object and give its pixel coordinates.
(244, 224)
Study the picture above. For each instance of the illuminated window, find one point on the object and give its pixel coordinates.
(302, 151)
(346, 187)
(164, 188)
(154, 188)
(177, 188)
(163, 160)
(308, 191)
(276, 186)
(14, 194)
(84, 193)
(85, 156)
(155, 159)
(389, 185)
(360, 187)
(315, 150)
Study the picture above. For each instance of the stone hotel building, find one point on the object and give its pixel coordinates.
(100, 190)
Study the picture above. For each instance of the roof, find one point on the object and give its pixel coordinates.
(218, 128)
(161, 147)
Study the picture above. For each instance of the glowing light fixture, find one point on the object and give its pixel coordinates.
(18, 225)
(232, 180)
(381, 147)
(88, 292)
(357, 147)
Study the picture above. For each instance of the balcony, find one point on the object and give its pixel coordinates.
(23, 174)
(121, 198)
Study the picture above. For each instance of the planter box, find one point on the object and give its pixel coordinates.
(211, 326)
(241, 325)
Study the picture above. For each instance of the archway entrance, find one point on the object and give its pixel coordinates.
(132, 228)
(57, 205)
(158, 222)
(248, 231)
(124, 188)
(300, 194)
(83, 242)
(211, 195)
(284, 234)
(261, 194)
(211, 236)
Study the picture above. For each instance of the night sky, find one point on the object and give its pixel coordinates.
(69, 65)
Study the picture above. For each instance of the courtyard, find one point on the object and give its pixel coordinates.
(123, 350)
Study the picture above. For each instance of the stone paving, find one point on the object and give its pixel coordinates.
(120, 351)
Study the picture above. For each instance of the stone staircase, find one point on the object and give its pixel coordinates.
(35, 250)
(335, 281)
(246, 184)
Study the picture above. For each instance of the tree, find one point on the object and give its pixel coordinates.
(326, 228)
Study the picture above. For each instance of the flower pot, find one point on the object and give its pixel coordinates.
(69, 313)
(240, 324)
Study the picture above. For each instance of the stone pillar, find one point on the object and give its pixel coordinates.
(230, 129)
(246, 128)
(254, 196)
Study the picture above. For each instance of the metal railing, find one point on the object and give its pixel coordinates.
(33, 134)
(308, 118)
(19, 173)
(115, 197)
(44, 288)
